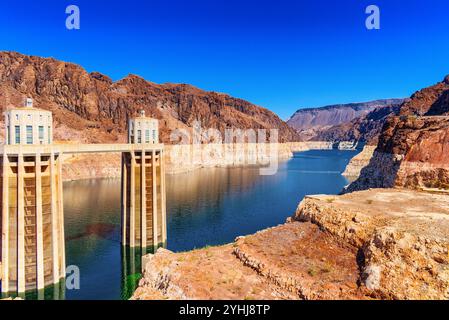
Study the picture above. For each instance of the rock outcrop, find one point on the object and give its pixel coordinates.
(413, 148)
(376, 244)
(403, 238)
(276, 263)
(359, 162)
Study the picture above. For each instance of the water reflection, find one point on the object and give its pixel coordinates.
(54, 292)
(102, 230)
(131, 271)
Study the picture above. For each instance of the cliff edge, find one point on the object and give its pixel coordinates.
(413, 148)
(374, 244)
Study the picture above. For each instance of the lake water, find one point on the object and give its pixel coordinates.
(204, 207)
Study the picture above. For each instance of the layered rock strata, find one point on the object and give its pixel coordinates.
(413, 148)
(375, 244)
(359, 162)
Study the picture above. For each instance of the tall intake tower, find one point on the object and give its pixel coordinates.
(32, 225)
(143, 187)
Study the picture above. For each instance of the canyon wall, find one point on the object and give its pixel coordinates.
(365, 128)
(182, 158)
(91, 108)
(413, 148)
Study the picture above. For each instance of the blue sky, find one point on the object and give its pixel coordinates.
(281, 54)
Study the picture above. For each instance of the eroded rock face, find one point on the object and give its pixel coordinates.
(276, 263)
(403, 235)
(359, 162)
(413, 149)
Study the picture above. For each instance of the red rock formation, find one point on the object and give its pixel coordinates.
(413, 149)
(92, 108)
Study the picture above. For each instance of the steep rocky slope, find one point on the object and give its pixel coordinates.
(93, 108)
(312, 121)
(413, 148)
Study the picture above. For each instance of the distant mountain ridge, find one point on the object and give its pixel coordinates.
(314, 123)
(366, 128)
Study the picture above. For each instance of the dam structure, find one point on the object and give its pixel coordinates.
(32, 241)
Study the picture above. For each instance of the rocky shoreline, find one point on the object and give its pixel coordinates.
(193, 157)
(374, 244)
(359, 162)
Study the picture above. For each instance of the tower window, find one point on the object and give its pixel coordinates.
(17, 131)
(41, 133)
(29, 134)
(147, 136)
(139, 136)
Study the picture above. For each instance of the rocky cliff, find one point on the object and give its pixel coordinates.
(413, 148)
(93, 108)
(366, 245)
(335, 122)
(359, 162)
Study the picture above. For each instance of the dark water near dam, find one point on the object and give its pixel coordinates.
(204, 207)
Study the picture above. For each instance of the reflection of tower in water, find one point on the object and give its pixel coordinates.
(131, 270)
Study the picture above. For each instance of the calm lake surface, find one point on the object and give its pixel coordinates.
(205, 207)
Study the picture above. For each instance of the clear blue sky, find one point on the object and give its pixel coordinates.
(279, 54)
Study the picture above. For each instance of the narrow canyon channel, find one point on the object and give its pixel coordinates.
(204, 207)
